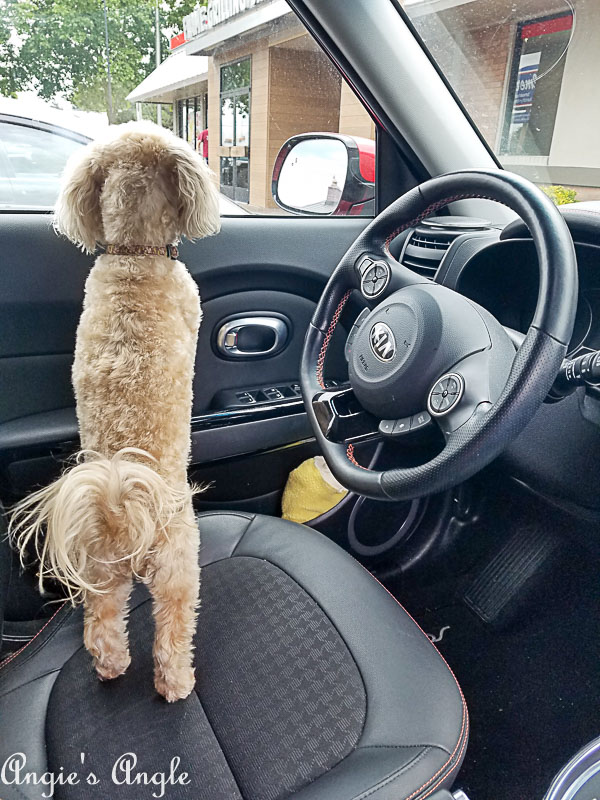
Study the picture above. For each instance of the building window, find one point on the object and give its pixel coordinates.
(535, 82)
(192, 114)
(235, 129)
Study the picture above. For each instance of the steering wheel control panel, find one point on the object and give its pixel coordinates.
(445, 394)
(395, 428)
(374, 277)
(581, 371)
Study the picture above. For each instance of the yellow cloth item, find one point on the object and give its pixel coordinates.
(310, 491)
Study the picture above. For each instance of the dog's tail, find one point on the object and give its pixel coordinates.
(100, 505)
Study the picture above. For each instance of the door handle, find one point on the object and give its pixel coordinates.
(252, 337)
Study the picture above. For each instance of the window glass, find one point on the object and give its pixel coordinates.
(241, 78)
(235, 76)
(281, 86)
(531, 109)
(31, 164)
(242, 120)
(227, 121)
(526, 71)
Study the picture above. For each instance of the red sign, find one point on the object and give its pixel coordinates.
(547, 26)
(177, 41)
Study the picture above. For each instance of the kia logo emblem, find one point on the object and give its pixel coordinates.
(382, 341)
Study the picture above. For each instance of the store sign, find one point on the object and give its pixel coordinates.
(178, 40)
(217, 11)
(525, 89)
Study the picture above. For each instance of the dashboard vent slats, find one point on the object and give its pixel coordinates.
(429, 242)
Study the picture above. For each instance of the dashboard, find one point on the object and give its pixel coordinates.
(503, 278)
(558, 455)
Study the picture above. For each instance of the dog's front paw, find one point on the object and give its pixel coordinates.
(174, 684)
(111, 665)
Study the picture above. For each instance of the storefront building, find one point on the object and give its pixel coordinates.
(180, 81)
(266, 81)
(526, 74)
(528, 77)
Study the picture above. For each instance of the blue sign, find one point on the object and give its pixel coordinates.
(525, 89)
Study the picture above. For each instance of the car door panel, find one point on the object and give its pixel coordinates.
(275, 266)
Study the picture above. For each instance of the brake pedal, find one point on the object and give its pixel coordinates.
(512, 575)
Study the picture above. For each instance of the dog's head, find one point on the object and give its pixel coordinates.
(139, 185)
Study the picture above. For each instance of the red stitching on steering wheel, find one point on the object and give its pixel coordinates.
(350, 454)
(328, 335)
(435, 207)
(335, 319)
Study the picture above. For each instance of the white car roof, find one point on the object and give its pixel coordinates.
(40, 111)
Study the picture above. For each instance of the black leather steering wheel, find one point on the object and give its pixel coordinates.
(425, 354)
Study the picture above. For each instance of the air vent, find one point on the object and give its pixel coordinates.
(428, 243)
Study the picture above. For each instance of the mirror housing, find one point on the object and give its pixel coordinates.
(325, 174)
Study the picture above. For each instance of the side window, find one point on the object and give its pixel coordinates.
(265, 82)
(31, 163)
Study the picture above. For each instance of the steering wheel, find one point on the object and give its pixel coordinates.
(423, 354)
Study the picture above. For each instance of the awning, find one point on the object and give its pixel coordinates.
(238, 26)
(177, 72)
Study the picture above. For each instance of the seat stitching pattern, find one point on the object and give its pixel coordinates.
(465, 716)
(392, 776)
(462, 737)
(402, 747)
(443, 778)
(217, 740)
(41, 676)
(241, 539)
(10, 658)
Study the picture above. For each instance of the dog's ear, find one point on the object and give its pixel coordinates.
(197, 196)
(77, 212)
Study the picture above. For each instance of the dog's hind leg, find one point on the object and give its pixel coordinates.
(105, 625)
(175, 586)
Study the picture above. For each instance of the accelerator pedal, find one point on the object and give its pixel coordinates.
(512, 576)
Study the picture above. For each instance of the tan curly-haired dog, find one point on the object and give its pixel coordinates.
(125, 510)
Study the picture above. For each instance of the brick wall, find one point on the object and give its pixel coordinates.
(354, 119)
(304, 96)
(477, 69)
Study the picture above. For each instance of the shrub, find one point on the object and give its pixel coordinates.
(560, 195)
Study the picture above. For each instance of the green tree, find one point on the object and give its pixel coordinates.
(62, 48)
(176, 10)
(10, 77)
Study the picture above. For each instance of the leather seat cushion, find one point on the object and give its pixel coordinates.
(311, 683)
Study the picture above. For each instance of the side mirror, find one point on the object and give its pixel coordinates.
(326, 174)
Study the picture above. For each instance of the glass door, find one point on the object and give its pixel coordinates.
(235, 130)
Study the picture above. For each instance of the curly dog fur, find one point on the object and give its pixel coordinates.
(125, 512)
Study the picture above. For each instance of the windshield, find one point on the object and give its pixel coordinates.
(527, 73)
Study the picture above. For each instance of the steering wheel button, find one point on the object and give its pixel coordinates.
(364, 265)
(374, 279)
(445, 394)
(420, 420)
(386, 426)
(401, 426)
